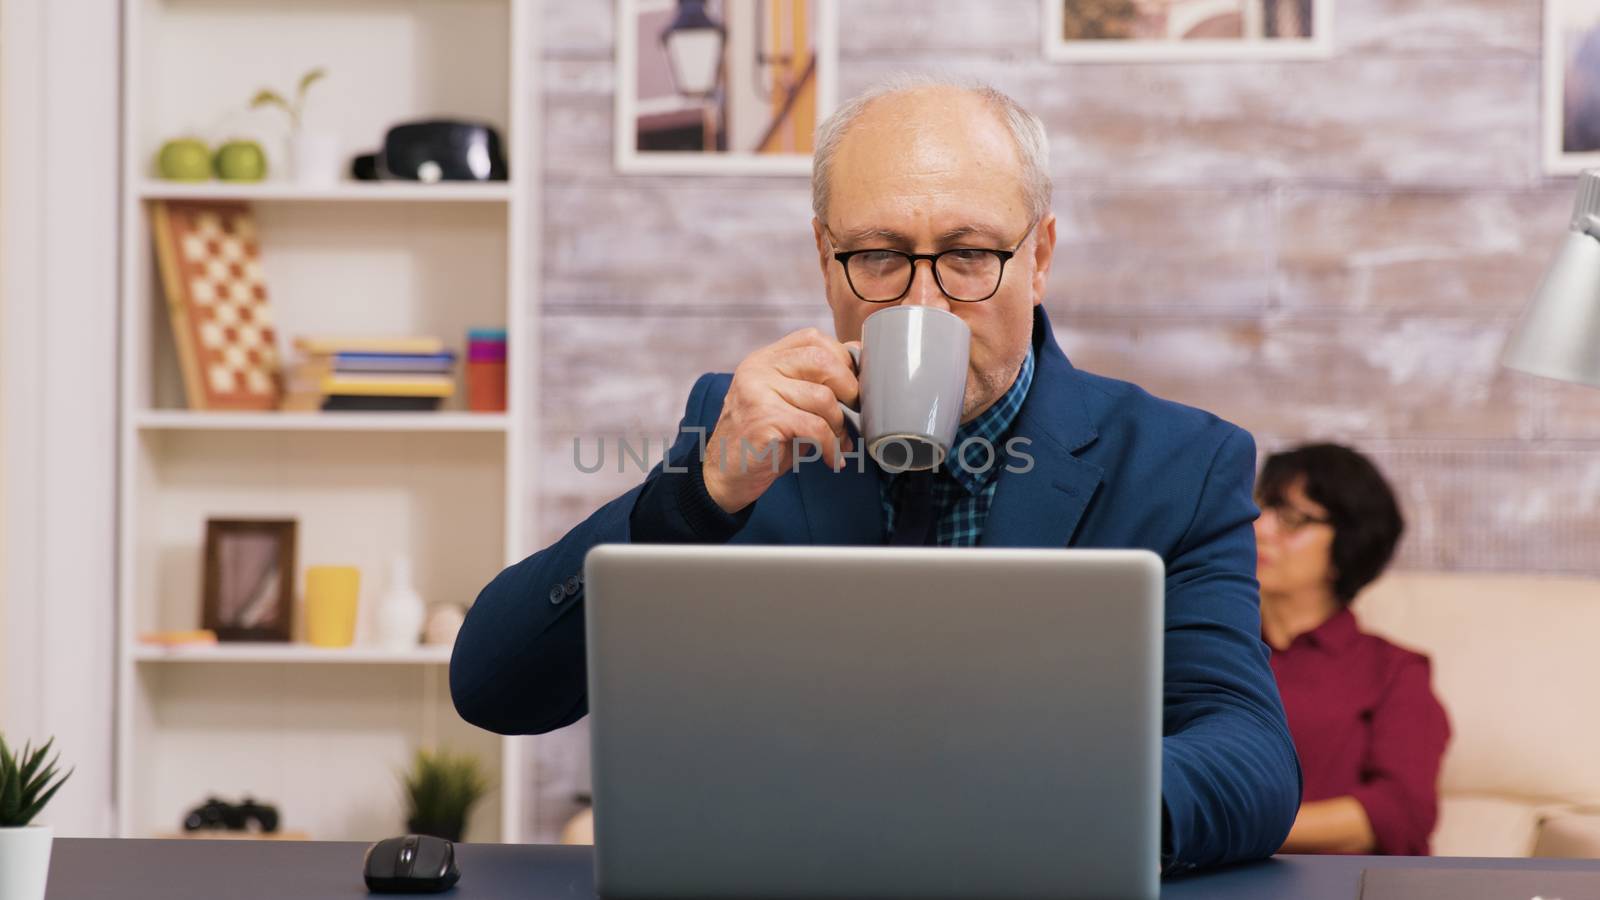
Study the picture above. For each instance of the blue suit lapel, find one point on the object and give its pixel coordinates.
(1042, 507)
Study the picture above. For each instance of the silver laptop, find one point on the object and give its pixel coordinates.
(775, 722)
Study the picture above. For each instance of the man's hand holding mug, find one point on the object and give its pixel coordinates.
(783, 396)
(794, 397)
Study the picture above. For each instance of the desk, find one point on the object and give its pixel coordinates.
(274, 870)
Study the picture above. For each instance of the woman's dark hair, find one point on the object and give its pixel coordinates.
(1365, 516)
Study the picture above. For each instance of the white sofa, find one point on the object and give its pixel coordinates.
(1516, 663)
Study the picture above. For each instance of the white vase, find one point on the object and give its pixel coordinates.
(400, 611)
(24, 862)
(314, 158)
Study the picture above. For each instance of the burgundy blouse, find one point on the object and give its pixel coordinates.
(1366, 724)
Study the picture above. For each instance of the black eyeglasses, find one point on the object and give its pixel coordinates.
(1291, 519)
(964, 274)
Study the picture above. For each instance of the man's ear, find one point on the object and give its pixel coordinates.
(822, 245)
(1044, 251)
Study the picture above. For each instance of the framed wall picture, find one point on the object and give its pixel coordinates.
(1571, 86)
(731, 87)
(249, 579)
(1164, 30)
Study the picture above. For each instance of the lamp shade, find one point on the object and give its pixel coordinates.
(1559, 336)
(694, 49)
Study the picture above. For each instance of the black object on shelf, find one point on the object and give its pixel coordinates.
(220, 815)
(442, 150)
(364, 167)
(365, 403)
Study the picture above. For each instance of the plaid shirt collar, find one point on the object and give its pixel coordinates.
(979, 441)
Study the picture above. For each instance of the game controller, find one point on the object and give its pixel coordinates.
(219, 815)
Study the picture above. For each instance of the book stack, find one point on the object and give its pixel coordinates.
(408, 374)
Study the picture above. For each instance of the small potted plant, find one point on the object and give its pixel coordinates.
(441, 789)
(27, 782)
(313, 156)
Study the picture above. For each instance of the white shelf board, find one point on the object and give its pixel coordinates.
(357, 191)
(252, 652)
(187, 420)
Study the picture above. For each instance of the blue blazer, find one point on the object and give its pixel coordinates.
(1113, 467)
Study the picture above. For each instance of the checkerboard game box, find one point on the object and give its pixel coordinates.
(210, 261)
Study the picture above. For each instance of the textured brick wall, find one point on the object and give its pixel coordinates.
(1331, 249)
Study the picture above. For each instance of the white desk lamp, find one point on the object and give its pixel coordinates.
(1560, 332)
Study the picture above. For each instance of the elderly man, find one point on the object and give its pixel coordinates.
(913, 177)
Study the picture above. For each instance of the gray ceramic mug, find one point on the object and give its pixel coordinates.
(913, 372)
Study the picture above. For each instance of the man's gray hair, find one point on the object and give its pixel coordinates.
(1033, 146)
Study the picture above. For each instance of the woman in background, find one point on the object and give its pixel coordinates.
(1369, 730)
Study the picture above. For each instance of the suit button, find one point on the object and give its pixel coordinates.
(572, 585)
(557, 594)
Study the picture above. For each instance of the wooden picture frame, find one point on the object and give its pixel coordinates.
(778, 81)
(1186, 30)
(1571, 86)
(249, 579)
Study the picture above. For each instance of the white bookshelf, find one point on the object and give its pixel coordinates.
(290, 653)
(322, 732)
(183, 420)
(444, 192)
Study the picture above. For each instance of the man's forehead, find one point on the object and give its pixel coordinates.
(905, 210)
(943, 159)
(964, 137)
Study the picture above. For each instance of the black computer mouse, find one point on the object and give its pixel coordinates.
(413, 864)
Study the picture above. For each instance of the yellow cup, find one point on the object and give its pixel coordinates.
(331, 593)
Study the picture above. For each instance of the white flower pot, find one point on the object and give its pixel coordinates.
(314, 159)
(24, 862)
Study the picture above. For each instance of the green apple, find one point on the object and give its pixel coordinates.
(241, 161)
(185, 159)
